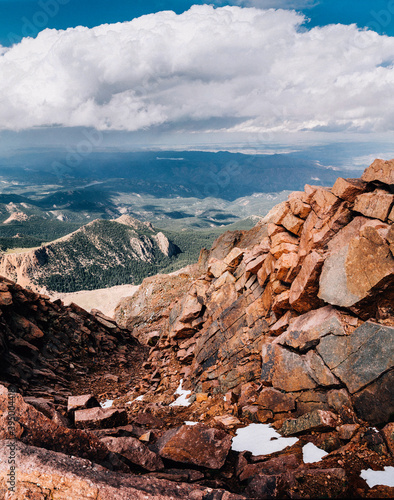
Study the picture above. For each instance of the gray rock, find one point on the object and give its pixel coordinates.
(360, 358)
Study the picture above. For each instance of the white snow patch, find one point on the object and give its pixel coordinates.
(374, 477)
(189, 422)
(107, 404)
(260, 439)
(183, 396)
(311, 453)
(140, 398)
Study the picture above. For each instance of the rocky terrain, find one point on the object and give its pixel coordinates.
(287, 328)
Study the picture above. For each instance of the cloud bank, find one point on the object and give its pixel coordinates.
(225, 69)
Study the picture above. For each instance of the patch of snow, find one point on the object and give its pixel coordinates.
(260, 439)
(183, 399)
(311, 453)
(107, 404)
(189, 422)
(374, 477)
(140, 398)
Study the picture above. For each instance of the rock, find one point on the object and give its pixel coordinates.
(376, 205)
(375, 403)
(286, 370)
(254, 413)
(82, 402)
(33, 428)
(266, 269)
(381, 171)
(286, 267)
(338, 399)
(275, 400)
(234, 257)
(347, 431)
(94, 418)
(348, 189)
(135, 451)
(56, 475)
(197, 444)
(254, 265)
(303, 291)
(388, 433)
(5, 298)
(262, 486)
(228, 421)
(298, 206)
(305, 331)
(341, 282)
(191, 308)
(201, 396)
(313, 421)
(217, 267)
(360, 358)
(272, 466)
(293, 224)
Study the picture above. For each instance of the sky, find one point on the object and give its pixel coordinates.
(183, 72)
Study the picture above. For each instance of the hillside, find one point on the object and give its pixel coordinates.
(100, 254)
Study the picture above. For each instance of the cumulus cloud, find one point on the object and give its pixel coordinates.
(230, 69)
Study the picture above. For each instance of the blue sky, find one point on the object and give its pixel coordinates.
(305, 71)
(16, 16)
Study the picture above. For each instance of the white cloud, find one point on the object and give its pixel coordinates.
(230, 68)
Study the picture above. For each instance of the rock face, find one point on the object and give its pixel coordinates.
(276, 304)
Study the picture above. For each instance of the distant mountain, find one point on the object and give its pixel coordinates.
(100, 254)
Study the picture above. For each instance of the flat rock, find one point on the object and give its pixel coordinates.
(314, 421)
(360, 358)
(197, 444)
(275, 400)
(135, 451)
(82, 402)
(348, 189)
(93, 418)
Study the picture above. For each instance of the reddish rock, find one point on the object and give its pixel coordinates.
(197, 444)
(298, 206)
(254, 265)
(82, 402)
(311, 483)
(303, 291)
(281, 325)
(388, 433)
(381, 171)
(313, 421)
(5, 298)
(275, 400)
(286, 370)
(348, 189)
(347, 431)
(286, 267)
(94, 418)
(135, 451)
(272, 466)
(234, 257)
(376, 205)
(305, 331)
(217, 267)
(293, 224)
(359, 246)
(281, 302)
(266, 269)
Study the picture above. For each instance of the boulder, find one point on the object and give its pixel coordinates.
(293, 224)
(234, 257)
(381, 171)
(341, 282)
(136, 452)
(196, 444)
(316, 483)
(93, 418)
(348, 189)
(314, 421)
(272, 466)
(360, 358)
(376, 205)
(275, 400)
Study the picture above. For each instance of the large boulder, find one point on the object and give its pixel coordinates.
(359, 264)
(196, 444)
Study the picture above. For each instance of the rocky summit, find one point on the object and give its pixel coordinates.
(217, 381)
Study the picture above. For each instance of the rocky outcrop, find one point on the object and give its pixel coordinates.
(302, 304)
